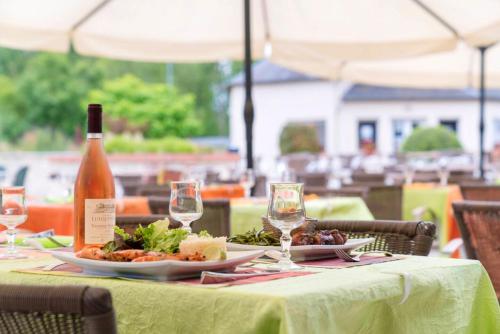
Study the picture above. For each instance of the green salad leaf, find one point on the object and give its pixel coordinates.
(157, 237)
(204, 234)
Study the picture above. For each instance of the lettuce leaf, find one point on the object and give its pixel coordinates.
(157, 237)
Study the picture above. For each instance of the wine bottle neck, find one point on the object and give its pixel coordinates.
(94, 135)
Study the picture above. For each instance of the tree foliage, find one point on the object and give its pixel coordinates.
(431, 139)
(12, 124)
(295, 138)
(53, 87)
(156, 109)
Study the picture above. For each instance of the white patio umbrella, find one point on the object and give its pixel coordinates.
(207, 30)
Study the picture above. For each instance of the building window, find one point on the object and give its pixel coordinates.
(449, 124)
(367, 136)
(402, 128)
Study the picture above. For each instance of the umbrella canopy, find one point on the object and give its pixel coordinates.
(207, 30)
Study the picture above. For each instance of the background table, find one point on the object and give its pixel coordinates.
(246, 213)
(439, 200)
(447, 296)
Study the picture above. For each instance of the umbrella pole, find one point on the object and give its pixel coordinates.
(482, 52)
(248, 109)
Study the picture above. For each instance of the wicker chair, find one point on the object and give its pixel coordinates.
(56, 310)
(384, 202)
(398, 237)
(215, 217)
(481, 192)
(479, 224)
(153, 190)
(342, 192)
(129, 222)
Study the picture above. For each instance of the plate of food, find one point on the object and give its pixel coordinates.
(305, 245)
(159, 253)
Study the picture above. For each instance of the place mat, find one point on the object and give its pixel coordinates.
(66, 269)
(336, 263)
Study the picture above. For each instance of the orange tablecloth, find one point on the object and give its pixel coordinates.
(223, 191)
(60, 216)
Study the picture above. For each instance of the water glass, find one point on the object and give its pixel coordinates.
(185, 203)
(12, 213)
(247, 181)
(286, 211)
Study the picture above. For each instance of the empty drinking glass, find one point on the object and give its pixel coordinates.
(286, 211)
(247, 181)
(185, 202)
(12, 213)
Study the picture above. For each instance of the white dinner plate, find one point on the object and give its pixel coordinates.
(165, 270)
(309, 252)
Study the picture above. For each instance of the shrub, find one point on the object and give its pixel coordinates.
(431, 139)
(43, 140)
(156, 110)
(123, 144)
(296, 138)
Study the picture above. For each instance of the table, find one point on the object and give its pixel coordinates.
(447, 296)
(439, 200)
(42, 217)
(223, 191)
(246, 214)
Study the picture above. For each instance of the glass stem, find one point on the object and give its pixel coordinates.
(11, 240)
(186, 225)
(286, 242)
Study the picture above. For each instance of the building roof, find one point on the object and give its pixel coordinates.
(265, 72)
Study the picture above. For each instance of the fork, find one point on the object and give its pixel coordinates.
(356, 258)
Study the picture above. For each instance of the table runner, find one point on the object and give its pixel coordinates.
(447, 296)
(246, 215)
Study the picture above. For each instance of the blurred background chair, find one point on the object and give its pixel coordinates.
(20, 177)
(56, 310)
(342, 192)
(318, 179)
(384, 202)
(154, 190)
(479, 224)
(397, 237)
(359, 177)
(481, 192)
(215, 219)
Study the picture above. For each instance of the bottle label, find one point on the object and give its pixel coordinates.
(99, 220)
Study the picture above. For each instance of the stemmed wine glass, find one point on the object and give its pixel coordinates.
(185, 203)
(286, 211)
(12, 213)
(247, 181)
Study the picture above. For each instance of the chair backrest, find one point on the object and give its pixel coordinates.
(479, 224)
(364, 177)
(398, 237)
(342, 192)
(260, 186)
(56, 310)
(313, 179)
(481, 192)
(153, 190)
(130, 222)
(384, 202)
(20, 177)
(215, 217)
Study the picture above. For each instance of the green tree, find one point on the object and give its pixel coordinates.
(53, 87)
(431, 139)
(157, 110)
(295, 138)
(12, 123)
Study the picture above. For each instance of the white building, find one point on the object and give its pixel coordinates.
(345, 114)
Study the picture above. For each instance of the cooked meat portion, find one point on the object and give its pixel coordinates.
(93, 253)
(124, 255)
(323, 237)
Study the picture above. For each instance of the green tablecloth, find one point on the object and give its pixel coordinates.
(246, 216)
(447, 296)
(437, 199)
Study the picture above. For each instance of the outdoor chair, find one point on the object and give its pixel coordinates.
(153, 190)
(313, 179)
(481, 192)
(56, 310)
(397, 237)
(342, 192)
(479, 224)
(360, 177)
(20, 177)
(260, 186)
(215, 217)
(130, 222)
(384, 202)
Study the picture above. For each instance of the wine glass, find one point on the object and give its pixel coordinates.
(185, 202)
(247, 181)
(286, 211)
(12, 213)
